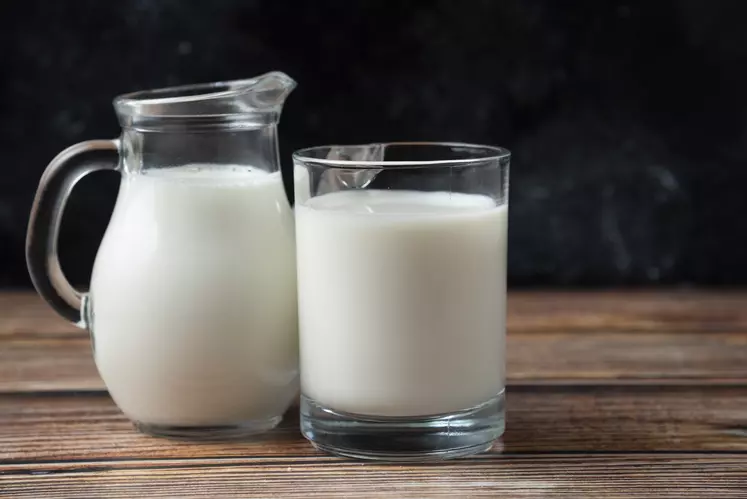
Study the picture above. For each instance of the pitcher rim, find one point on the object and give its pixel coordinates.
(212, 90)
(247, 103)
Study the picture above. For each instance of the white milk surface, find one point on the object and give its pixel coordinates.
(401, 301)
(194, 297)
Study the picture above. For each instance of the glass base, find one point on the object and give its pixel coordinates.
(428, 438)
(210, 433)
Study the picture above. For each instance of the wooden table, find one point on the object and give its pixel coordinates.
(611, 394)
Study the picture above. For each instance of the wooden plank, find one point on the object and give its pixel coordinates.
(556, 419)
(685, 310)
(24, 312)
(634, 394)
(675, 476)
(61, 362)
(581, 357)
(57, 362)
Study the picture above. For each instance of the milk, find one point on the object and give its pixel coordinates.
(401, 301)
(194, 297)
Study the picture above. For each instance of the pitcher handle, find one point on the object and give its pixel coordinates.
(55, 186)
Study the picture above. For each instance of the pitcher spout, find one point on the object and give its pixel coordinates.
(266, 92)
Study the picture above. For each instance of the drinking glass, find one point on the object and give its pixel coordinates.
(401, 260)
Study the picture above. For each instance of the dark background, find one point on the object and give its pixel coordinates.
(627, 120)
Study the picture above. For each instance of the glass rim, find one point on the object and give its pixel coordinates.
(492, 153)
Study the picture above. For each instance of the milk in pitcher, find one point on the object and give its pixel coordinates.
(194, 300)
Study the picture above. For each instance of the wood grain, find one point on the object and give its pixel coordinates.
(609, 477)
(39, 363)
(27, 314)
(612, 394)
(65, 362)
(602, 357)
(685, 310)
(554, 418)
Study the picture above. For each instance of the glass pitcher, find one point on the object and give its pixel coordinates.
(192, 303)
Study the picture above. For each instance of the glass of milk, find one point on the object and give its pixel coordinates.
(401, 256)
(192, 302)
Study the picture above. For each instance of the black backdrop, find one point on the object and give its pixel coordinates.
(627, 120)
